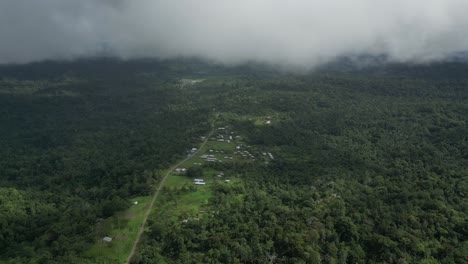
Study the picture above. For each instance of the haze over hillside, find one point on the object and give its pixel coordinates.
(233, 131)
(299, 33)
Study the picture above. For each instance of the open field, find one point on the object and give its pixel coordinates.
(122, 228)
(175, 206)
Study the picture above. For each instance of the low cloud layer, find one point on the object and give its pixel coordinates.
(292, 32)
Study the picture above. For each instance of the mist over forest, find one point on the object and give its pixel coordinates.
(258, 132)
(298, 33)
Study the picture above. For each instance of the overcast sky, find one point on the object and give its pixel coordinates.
(286, 32)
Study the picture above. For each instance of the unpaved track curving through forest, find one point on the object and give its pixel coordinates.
(161, 184)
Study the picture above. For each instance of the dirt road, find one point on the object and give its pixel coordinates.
(161, 184)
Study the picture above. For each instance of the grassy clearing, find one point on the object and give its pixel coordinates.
(216, 145)
(177, 181)
(122, 228)
(190, 162)
(180, 199)
(227, 148)
(182, 206)
(176, 205)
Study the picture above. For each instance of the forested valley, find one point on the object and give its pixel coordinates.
(77, 140)
(370, 164)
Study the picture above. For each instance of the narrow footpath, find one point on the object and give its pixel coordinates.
(161, 184)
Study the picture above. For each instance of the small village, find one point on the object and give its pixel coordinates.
(190, 182)
(224, 145)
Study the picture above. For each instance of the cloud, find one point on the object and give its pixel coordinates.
(293, 32)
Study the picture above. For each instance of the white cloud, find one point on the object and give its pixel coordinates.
(293, 32)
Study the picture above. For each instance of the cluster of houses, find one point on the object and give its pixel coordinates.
(209, 157)
(225, 130)
(221, 175)
(224, 135)
(245, 154)
(269, 155)
(199, 182)
(180, 170)
(240, 146)
(213, 158)
(222, 138)
(191, 152)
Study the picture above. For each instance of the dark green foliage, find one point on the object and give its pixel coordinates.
(195, 172)
(77, 140)
(368, 168)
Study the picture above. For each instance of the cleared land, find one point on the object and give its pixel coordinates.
(148, 211)
(122, 228)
